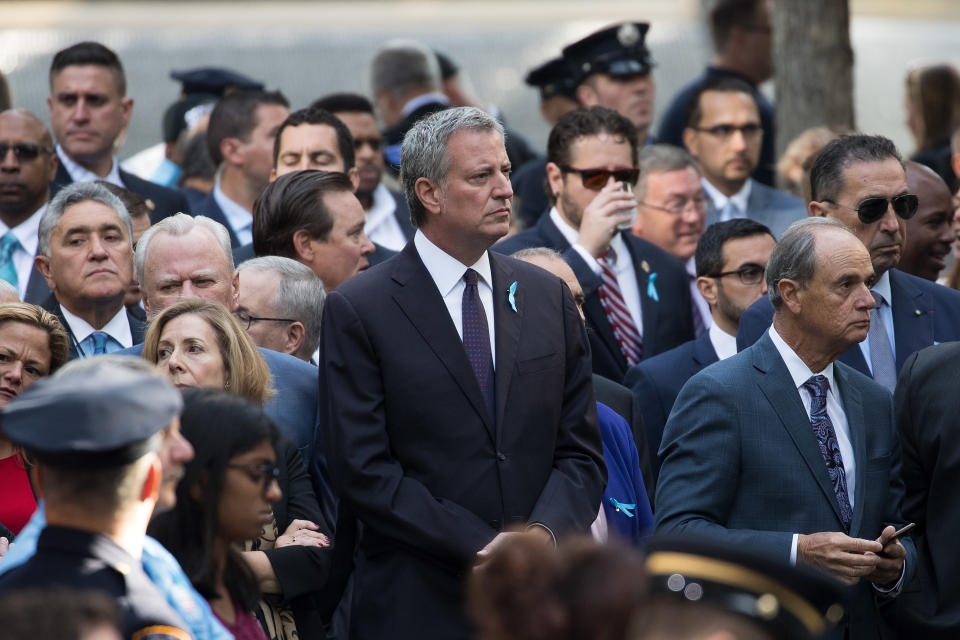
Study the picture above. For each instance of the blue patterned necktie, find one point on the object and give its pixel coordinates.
(8, 246)
(882, 363)
(827, 441)
(476, 338)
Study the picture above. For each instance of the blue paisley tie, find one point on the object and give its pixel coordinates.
(827, 441)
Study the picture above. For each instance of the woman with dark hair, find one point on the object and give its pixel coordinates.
(933, 114)
(233, 491)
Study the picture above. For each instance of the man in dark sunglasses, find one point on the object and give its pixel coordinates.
(724, 133)
(27, 166)
(860, 181)
(637, 298)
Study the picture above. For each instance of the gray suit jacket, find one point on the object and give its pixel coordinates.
(775, 209)
(741, 463)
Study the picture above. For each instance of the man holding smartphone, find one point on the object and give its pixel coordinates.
(637, 300)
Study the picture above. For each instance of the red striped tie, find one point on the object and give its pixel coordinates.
(618, 314)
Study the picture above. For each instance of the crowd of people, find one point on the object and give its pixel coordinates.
(376, 367)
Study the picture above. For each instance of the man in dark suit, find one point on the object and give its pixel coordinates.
(27, 167)
(926, 405)
(731, 258)
(784, 451)
(637, 299)
(487, 356)
(864, 173)
(89, 110)
(241, 138)
(724, 133)
(388, 218)
(85, 253)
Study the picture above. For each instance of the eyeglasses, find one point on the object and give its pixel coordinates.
(246, 319)
(695, 204)
(872, 209)
(23, 151)
(750, 273)
(265, 472)
(724, 131)
(596, 179)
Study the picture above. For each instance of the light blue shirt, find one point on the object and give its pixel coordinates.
(241, 220)
(161, 567)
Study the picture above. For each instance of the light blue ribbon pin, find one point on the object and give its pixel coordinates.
(511, 296)
(652, 288)
(624, 508)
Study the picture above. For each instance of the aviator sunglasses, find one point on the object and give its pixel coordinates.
(24, 151)
(872, 209)
(596, 179)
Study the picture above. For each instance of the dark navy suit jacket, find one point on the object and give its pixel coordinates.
(667, 322)
(138, 328)
(166, 201)
(212, 210)
(924, 313)
(657, 382)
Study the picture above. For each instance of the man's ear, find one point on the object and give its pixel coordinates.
(690, 141)
(708, 289)
(294, 337)
(231, 152)
(586, 96)
(818, 209)
(303, 246)
(273, 174)
(354, 176)
(430, 195)
(554, 179)
(791, 294)
(43, 266)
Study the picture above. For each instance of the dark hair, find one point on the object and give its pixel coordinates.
(196, 162)
(4, 93)
(826, 174)
(582, 122)
(292, 202)
(136, 206)
(26, 613)
(339, 102)
(727, 14)
(89, 53)
(235, 116)
(219, 426)
(319, 116)
(709, 255)
(933, 94)
(726, 84)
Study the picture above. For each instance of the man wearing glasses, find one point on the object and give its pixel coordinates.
(637, 299)
(731, 258)
(725, 135)
(860, 181)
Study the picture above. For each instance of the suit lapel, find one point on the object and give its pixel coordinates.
(648, 306)
(51, 305)
(37, 289)
(138, 328)
(853, 357)
(912, 317)
(212, 210)
(853, 408)
(507, 324)
(703, 351)
(777, 387)
(421, 302)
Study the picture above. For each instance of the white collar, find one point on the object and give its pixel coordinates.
(27, 231)
(424, 99)
(719, 200)
(723, 343)
(382, 207)
(798, 369)
(81, 174)
(118, 328)
(446, 270)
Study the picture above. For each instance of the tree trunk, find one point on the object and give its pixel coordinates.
(814, 66)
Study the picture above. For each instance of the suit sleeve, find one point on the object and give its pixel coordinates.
(700, 472)
(915, 502)
(654, 414)
(363, 468)
(571, 496)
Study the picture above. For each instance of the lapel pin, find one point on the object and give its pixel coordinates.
(645, 266)
(652, 288)
(917, 312)
(511, 296)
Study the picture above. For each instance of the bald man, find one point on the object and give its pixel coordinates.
(929, 233)
(27, 166)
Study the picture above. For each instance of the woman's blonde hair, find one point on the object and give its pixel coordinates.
(34, 316)
(247, 373)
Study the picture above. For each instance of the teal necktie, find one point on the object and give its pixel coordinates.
(8, 245)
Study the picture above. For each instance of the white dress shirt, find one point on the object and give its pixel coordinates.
(886, 312)
(447, 272)
(82, 174)
(699, 302)
(622, 269)
(381, 224)
(719, 200)
(723, 343)
(118, 328)
(27, 233)
(241, 220)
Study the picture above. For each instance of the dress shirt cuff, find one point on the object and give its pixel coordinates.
(894, 591)
(793, 549)
(540, 524)
(589, 259)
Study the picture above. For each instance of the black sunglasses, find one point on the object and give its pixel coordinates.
(24, 151)
(872, 209)
(596, 179)
(750, 273)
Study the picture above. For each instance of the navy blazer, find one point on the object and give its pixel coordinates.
(166, 201)
(741, 463)
(667, 322)
(415, 452)
(775, 209)
(138, 328)
(37, 289)
(212, 210)
(924, 313)
(625, 502)
(656, 383)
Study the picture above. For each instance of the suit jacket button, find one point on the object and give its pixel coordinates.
(501, 457)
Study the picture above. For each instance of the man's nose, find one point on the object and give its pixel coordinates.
(81, 111)
(503, 189)
(9, 161)
(368, 247)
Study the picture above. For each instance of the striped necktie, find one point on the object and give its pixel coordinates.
(618, 314)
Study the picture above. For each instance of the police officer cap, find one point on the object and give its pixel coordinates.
(199, 87)
(785, 601)
(98, 416)
(618, 50)
(553, 78)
